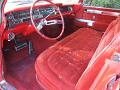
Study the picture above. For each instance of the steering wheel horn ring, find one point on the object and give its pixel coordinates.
(44, 22)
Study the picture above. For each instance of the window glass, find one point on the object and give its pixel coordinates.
(104, 3)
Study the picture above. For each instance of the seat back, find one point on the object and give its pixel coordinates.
(109, 43)
(110, 33)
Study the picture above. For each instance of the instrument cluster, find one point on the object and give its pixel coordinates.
(15, 18)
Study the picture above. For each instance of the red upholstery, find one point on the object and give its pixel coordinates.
(110, 43)
(60, 66)
(108, 36)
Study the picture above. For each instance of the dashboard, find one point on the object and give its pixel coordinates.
(17, 17)
(18, 21)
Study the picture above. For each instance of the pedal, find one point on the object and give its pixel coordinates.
(30, 46)
(20, 46)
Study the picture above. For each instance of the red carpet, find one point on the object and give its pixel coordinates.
(22, 74)
(20, 66)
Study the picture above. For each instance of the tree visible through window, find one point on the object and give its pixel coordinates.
(104, 3)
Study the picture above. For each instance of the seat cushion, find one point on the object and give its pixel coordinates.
(60, 66)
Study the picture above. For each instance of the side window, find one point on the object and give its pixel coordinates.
(103, 3)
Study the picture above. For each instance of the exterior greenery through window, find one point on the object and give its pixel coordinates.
(104, 3)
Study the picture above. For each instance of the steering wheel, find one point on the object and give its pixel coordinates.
(44, 22)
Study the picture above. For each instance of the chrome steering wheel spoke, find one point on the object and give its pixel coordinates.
(46, 20)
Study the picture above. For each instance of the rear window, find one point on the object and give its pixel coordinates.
(103, 3)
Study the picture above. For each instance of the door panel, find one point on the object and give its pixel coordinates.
(99, 18)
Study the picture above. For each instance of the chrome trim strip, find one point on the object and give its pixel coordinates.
(89, 22)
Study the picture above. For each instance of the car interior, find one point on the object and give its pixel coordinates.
(56, 46)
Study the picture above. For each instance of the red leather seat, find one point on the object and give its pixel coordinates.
(61, 66)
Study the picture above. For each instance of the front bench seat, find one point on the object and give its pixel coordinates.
(60, 66)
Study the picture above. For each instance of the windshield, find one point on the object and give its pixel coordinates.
(11, 4)
(55, 1)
